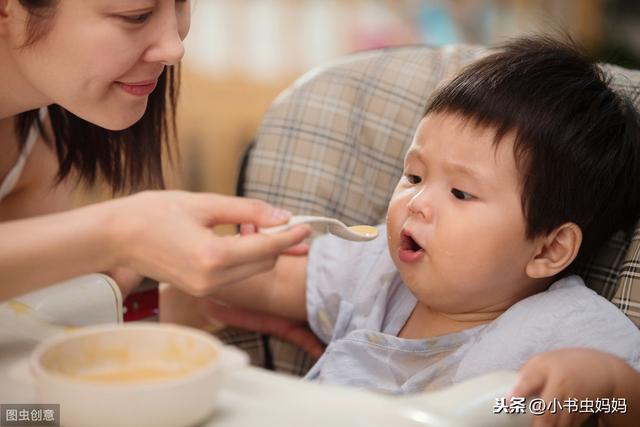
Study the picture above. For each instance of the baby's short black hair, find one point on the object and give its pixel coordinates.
(577, 143)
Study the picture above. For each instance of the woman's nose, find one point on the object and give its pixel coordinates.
(422, 205)
(167, 48)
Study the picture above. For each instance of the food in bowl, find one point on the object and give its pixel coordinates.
(143, 374)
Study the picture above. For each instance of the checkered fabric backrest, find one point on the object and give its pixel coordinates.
(333, 144)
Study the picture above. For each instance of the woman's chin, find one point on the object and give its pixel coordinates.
(119, 123)
(113, 116)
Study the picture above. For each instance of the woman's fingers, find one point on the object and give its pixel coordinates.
(298, 250)
(170, 239)
(253, 247)
(247, 229)
(216, 209)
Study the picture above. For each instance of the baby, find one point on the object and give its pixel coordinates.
(523, 164)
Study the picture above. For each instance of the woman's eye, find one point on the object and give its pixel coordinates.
(459, 194)
(136, 19)
(413, 179)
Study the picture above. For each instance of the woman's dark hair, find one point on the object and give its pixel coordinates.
(128, 159)
(577, 143)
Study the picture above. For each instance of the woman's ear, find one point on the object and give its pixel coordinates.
(4, 17)
(555, 251)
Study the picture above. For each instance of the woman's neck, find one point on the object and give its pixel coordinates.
(8, 146)
(17, 95)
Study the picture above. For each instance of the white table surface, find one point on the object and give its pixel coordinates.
(256, 397)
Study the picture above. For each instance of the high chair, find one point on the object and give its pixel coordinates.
(332, 144)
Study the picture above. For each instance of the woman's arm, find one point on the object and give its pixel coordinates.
(36, 195)
(29, 245)
(164, 235)
(38, 251)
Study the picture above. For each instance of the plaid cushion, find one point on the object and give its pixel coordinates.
(333, 144)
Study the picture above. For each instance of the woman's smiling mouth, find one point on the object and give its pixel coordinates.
(139, 88)
(409, 250)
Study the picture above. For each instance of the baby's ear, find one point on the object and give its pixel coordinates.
(555, 251)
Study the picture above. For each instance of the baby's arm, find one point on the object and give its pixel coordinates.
(580, 373)
(280, 291)
(627, 386)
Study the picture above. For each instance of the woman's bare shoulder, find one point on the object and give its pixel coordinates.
(36, 192)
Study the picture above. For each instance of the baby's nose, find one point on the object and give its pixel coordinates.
(422, 206)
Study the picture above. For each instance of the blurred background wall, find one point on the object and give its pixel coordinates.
(242, 53)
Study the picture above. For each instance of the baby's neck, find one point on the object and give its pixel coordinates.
(427, 323)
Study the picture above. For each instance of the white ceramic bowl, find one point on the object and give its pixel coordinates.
(143, 374)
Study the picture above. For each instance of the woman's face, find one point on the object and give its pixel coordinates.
(100, 59)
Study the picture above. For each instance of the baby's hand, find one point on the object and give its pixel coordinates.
(296, 333)
(569, 374)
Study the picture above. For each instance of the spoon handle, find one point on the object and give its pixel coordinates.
(323, 224)
(302, 219)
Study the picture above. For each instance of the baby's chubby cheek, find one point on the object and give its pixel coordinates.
(397, 212)
(394, 227)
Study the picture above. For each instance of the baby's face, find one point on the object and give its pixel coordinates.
(455, 223)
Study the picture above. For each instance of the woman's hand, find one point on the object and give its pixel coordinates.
(297, 250)
(167, 235)
(293, 331)
(577, 374)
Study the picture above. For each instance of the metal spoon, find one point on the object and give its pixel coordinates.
(356, 233)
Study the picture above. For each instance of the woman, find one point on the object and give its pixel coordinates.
(105, 71)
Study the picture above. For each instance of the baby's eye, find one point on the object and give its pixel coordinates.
(413, 179)
(459, 194)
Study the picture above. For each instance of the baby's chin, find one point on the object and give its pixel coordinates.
(407, 274)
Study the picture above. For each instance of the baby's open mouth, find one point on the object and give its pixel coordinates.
(408, 243)
(409, 250)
